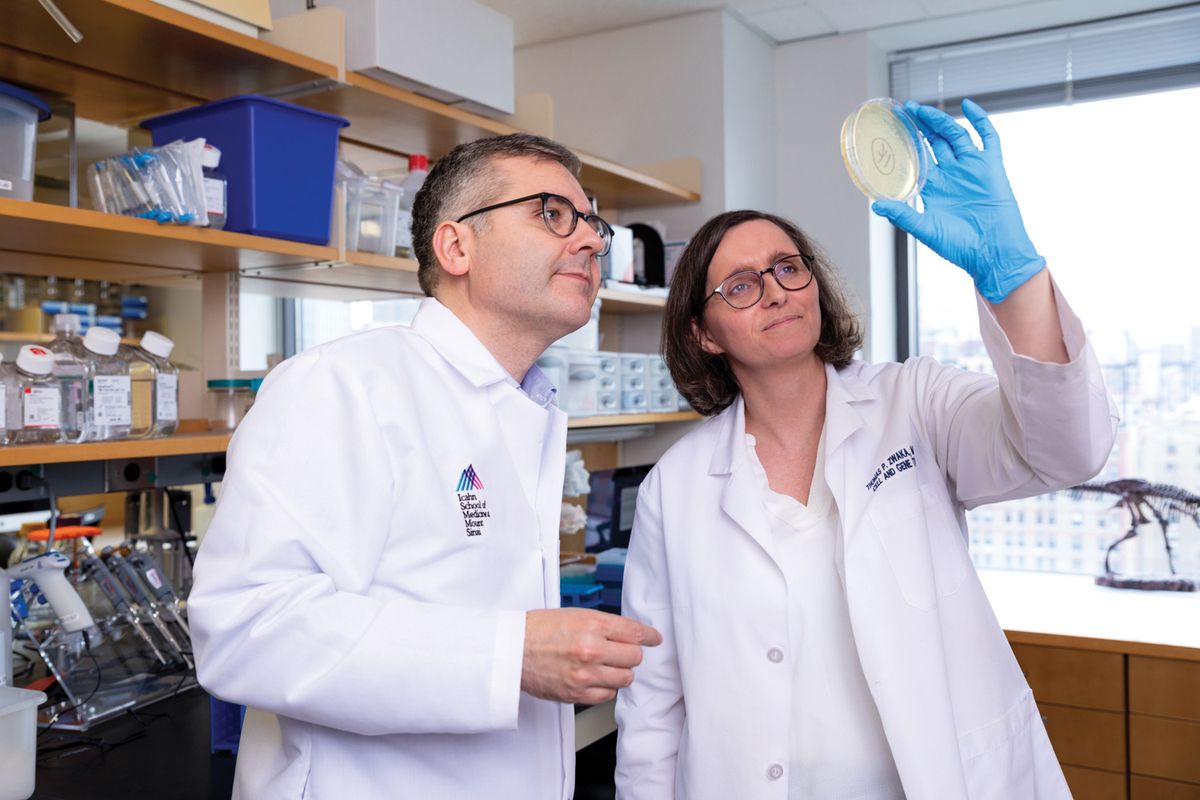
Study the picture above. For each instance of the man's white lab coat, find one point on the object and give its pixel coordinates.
(390, 512)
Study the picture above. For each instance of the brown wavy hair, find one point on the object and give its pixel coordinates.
(706, 380)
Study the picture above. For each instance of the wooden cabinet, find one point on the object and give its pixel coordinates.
(1148, 749)
(1071, 677)
(1094, 784)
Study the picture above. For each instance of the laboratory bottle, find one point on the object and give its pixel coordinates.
(70, 369)
(6, 377)
(216, 188)
(418, 168)
(155, 387)
(109, 406)
(34, 402)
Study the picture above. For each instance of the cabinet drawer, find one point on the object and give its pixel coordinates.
(1143, 788)
(1074, 677)
(1164, 687)
(1086, 738)
(1164, 748)
(1095, 784)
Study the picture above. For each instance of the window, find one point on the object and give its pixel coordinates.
(1112, 214)
(321, 321)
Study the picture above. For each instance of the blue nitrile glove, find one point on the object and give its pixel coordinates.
(971, 217)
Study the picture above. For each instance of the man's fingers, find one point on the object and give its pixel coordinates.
(611, 678)
(623, 629)
(626, 656)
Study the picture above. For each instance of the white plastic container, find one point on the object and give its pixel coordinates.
(154, 385)
(372, 207)
(18, 741)
(110, 408)
(34, 405)
(20, 113)
(633, 372)
(583, 379)
(70, 368)
(418, 170)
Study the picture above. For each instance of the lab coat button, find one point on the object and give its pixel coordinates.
(775, 655)
(775, 772)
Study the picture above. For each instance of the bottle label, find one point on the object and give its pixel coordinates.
(111, 400)
(43, 407)
(214, 196)
(167, 406)
(3, 420)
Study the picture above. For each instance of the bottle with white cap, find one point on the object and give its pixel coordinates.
(70, 368)
(155, 382)
(109, 409)
(34, 404)
(6, 379)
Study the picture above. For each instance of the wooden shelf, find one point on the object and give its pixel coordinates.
(177, 445)
(139, 58)
(613, 420)
(29, 230)
(619, 302)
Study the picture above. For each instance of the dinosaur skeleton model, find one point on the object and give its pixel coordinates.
(1146, 502)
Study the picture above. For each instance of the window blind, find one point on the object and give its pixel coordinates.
(1124, 55)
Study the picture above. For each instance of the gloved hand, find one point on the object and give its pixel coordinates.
(971, 217)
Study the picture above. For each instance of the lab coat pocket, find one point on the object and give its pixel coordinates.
(923, 545)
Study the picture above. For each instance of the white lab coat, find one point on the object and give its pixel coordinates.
(342, 594)
(708, 713)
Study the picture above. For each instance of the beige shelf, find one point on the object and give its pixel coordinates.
(391, 118)
(612, 420)
(177, 445)
(618, 302)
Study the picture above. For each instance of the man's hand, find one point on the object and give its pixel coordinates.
(576, 655)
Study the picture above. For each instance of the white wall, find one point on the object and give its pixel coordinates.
(817, 83)
(748, 107)
(696, 86)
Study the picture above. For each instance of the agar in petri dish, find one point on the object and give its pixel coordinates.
(884, 151)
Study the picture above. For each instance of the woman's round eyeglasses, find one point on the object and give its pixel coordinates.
(560, 216)
(744, 289)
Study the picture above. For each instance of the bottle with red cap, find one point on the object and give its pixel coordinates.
(418, 168)
(34, 402)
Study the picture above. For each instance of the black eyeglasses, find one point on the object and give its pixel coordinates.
(744, 289)
(560, 216)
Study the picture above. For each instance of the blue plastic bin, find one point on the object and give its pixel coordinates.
(225, 725)
(278, 159)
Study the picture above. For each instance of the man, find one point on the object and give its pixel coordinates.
(379, 584)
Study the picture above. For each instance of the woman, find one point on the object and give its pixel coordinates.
(803, 552)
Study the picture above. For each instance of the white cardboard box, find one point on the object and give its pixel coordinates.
(454, 51)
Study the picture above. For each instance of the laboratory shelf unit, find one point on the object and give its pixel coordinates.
(177, 445)
(133, 249)
(621, 302)
(615, 420)
(139, 58)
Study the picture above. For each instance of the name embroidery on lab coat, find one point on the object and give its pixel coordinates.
(472, 506)
(903, 459)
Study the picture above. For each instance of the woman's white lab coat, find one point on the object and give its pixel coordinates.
(390, 512)
(708, 713)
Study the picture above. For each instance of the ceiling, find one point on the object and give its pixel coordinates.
(901, 23)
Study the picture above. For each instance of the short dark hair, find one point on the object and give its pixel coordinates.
(706, 380)
(462, 181)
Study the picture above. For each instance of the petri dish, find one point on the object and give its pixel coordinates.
(884, 151)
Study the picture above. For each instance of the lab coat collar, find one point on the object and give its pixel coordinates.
(458, 344)
(844, 388)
